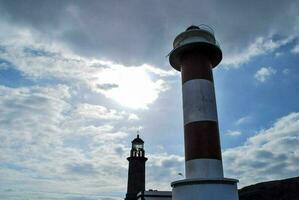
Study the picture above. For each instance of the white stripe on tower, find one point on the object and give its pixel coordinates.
(199, 101)
(204, 168)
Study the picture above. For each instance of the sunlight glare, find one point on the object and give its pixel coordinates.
(130, 86)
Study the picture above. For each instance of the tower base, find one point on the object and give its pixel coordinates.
(205, 189)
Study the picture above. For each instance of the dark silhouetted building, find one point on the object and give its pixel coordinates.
(136, 174)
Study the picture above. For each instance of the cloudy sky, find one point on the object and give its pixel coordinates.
(78, 79)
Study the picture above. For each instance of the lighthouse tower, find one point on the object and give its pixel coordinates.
(136, 174)
(195, 54)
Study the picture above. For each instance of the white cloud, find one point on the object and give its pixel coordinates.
(295, 50)
(261, 46)
(162, 169)
(52, 147)
(4, 66)
(278, 54)
(26, 116)
(272, 153)
(41, 146)
(133, 116)
(98, 112)
(264, 73)
(243, 120)
(130, 86)
(133, 86)
(233, 133)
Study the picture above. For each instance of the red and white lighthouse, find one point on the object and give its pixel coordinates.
(195, 54)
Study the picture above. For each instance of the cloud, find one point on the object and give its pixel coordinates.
(4, 66)
(127, 33)
(61, 149)
(278, 54)
(162, 169)
(133, 116)
(243, 120)
(295, 50)
(25, 111)
(97, 112)
(264, 73)
(135, 87)
(48, 153)
(67, 145)
(261, 46)
(270, 154)
(81, 168)
(84, 198)
(38, 59)
(233, 133)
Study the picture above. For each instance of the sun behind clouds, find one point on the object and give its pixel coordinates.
(131, 87)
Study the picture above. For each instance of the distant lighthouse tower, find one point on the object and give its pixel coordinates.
(136, 174)
(195, 54)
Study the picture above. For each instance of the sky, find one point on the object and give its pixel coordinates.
(78, 79)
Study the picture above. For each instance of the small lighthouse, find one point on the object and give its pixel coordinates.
(195, 53)
(136, 174)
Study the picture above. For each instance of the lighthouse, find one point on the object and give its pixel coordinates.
(136, 173)
(195, 53)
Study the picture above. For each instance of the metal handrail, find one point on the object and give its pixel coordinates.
(207, 28)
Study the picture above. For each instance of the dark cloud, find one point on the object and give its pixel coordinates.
(257, 164)
(37, 52)
(163, 170)
(120, 151)
(2, 49)
(270, 154)
(81, 168)
(82, 198)
(134, 32)
(45, 16)
(276, 168)
(281, 157)
(263, 154)
(107, 86)
(170, 163)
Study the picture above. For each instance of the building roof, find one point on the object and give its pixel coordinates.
(138, 140)
(155, 193)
